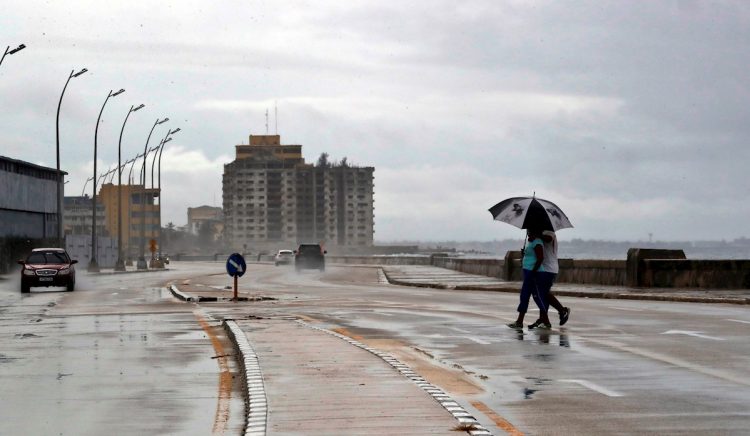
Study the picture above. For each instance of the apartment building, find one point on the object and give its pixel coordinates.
(273, 199)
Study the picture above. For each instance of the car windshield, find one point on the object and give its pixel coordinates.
(44, 257)
(309, 248)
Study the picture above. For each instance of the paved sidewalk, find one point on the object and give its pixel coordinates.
(434, 277)
(319, 384)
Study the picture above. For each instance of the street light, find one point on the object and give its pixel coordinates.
(120, 265)
(84, 186)
(159, 148)
(9, 51)
(93, 265)
(59, 175)
(142, 257)
(161, 198)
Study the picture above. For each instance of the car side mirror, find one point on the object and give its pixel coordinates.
(73, 261)
(21, 262)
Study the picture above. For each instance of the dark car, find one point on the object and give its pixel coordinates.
(48, 267)
(310, 256)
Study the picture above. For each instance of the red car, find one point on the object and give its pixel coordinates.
(48, 267)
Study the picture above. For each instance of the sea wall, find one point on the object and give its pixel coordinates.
(643, 268)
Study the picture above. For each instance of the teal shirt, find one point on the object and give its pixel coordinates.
(529, 256)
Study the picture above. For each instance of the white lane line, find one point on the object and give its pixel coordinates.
(625, 308)
(460, 330)
(594, 387)
(477, 340)
(738, 320)
(713, 372)
(693, 334)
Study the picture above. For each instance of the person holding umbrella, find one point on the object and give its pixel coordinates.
(534, 282)
(551, 269)
(539, 216)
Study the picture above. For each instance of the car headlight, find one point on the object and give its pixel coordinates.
(64, 271)
(28, 272)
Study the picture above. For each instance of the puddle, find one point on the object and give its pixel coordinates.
(153, 295)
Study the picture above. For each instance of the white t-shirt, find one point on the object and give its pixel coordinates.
(549, 264)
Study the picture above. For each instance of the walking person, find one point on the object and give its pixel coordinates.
(549, 274)
(532, 264)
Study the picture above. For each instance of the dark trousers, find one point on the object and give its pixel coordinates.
(536, 285)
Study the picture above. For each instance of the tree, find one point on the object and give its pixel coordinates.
(323, 160)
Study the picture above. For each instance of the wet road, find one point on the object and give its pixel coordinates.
(117, 356)
(120, 356)
(624, 367)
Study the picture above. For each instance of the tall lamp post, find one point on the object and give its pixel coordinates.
(153, 164)
(59, 175)
(120, 265)
(93, 264)
(142, 254)
(9, 51)
(161, 198)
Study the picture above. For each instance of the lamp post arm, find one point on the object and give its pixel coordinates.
(4, 54)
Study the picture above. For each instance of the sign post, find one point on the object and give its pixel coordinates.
(236, 267)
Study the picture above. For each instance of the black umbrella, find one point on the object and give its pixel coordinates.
(530, 213)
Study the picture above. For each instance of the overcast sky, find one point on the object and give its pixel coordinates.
(633, 117)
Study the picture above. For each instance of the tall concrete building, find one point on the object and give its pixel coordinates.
(273, 199)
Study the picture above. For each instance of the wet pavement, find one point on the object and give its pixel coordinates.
(116, 356)
(624, 367)
(618, 366)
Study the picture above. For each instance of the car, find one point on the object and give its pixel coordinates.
(283, 257)
(48, 267)
(310, 256)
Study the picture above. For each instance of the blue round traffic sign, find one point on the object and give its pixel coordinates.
(236, 265)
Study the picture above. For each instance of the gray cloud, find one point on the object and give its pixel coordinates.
(631, 114)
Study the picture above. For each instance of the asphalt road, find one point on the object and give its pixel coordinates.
(618, 367)
(117, 356)
(120, 355)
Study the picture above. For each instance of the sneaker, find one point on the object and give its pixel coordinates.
(539, 324)
(515, 325)
(564, 315)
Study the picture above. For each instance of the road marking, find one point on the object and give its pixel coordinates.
(692, 333)
(738, 320)
(497, 419)
(221, 418)
(594, 387)
(625, 308)
(460, 330)
(477, 340)
(672, 361)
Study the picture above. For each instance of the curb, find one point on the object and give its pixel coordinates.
(187, 297)
(459, 413)
(256, 402)
(179, 294)
(580, 294)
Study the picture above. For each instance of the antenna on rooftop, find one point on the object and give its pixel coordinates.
(266, 121)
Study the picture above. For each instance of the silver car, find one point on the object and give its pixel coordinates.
(283, 257)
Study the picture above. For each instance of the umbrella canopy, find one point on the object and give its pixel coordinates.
(530, 213)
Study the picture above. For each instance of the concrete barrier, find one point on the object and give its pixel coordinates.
(643, 268)
(683, 273)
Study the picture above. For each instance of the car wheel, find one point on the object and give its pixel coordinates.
(71, 287)
(25, 289)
